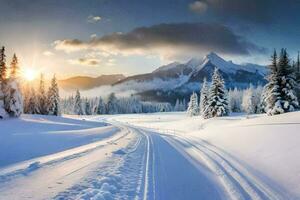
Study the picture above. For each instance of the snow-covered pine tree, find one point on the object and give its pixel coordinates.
(13, 102)
(193, 107)
(53, 98)
(279, 94)
(203, 96)
(235, 100)
(94, 105)
(217, 98)
(88, 109)
(184, 107)
(257, 99)
(177, 105)
(181, 106)
(14, 68)
(26, 95)
(32, 106)
(112, 107)
(42, 97)
(297, 73)
(78, 104)
(101, 107)
(268, 98)
(248, 101)
(3, 69)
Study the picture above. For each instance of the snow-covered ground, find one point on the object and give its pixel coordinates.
(150, 156)
(32, 136)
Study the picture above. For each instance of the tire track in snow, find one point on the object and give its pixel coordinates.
(238, 185)
(153, 173)
(242, 172)
(149, 177)
(146, 189)
(189, 185)
(30, 166)
(118, 178)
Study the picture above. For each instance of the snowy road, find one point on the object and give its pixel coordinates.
(136, 163)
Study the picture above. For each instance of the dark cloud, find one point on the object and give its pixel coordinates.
(257, 11)
(85, 61)
(169, 39)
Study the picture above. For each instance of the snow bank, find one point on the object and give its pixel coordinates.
(34, 136)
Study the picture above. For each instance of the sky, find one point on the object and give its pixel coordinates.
(94, 37)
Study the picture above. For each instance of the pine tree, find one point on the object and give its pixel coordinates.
(53, 98)
(3, 113)
(297, 74)
(13, 102)
(32, 107)
(248, 101)
(42, 98)
(3, 68)
(177, 105)
(101, 107)
(193, 107)
(26, 95)
(88, 109)
(203, 96)
(217, 99)
(279, 94)
(235, 100)
(271, 90)
(14, 68)
(112, 107)
(78, 104)
(184, 107)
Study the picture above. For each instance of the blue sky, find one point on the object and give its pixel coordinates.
(94, 37)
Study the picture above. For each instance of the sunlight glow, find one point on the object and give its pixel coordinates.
(29, 74)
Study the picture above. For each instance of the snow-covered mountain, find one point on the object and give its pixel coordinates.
(234, 74)
(183, 78)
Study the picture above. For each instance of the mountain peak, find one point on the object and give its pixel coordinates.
(213, 57)
(167, 67)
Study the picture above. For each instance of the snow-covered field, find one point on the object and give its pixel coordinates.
(150, 156)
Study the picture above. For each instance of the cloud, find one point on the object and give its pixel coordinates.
(93, 19)
(168, 40)
(198, 7)
(48, 53)
(69, 45)
(95, 54)
(85, 61)
(257, 11)
(111, 62)
(93, 36)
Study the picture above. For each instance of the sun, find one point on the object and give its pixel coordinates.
(29, 74)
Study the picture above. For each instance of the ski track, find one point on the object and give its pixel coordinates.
(36, 164)
(145, 195)
(124, 176)
(164, 178)
(236, 180)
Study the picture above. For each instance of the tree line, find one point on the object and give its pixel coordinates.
(112, 104)
(40, 100)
